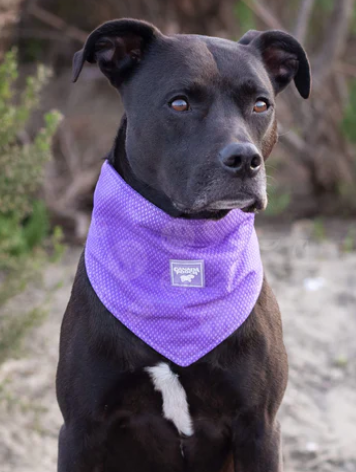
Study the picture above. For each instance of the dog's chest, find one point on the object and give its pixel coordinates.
(194, 397)
(186, 409)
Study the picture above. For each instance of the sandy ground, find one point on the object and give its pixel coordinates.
(315, 284)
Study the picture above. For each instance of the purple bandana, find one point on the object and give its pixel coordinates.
(182, 286)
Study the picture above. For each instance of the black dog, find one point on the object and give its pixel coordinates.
(199, 124)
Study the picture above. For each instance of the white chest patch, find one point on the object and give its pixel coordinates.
(175, 405)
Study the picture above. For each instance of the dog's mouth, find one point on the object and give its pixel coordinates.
(247, 204)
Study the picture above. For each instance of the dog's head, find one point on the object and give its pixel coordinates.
(200, 110)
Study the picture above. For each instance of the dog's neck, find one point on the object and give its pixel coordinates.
(119, 161)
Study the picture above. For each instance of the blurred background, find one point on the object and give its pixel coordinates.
(53, 135)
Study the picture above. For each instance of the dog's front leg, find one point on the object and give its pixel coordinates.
(257, 445)
(78, 450)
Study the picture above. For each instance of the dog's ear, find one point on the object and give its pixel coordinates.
(283, 57)
(116, 46)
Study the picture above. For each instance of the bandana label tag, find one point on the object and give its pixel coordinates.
(187, 273)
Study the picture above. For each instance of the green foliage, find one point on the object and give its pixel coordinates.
(21, 165)
(24, 222)
(244, 17)
(324, 5)
(348, 124)
(20, 239)
(319, 231)
(278, 202)
(23, 218)
(349, 242)
(341, 361)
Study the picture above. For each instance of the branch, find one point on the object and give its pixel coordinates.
(57, 23)
(264, 14)
(334, 41)
(303, 19)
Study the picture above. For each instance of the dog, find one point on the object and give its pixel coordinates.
(199, 124)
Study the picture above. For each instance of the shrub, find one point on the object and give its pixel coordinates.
(24, 222)
(23, 219)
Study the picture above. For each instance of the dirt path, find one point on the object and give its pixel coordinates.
(316, 287)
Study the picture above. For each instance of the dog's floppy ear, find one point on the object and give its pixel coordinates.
(116, 46)
(284, 59)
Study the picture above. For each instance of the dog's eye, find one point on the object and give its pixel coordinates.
(260, 106)
(180, 104)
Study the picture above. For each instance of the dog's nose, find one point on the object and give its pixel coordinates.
(241, 159)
